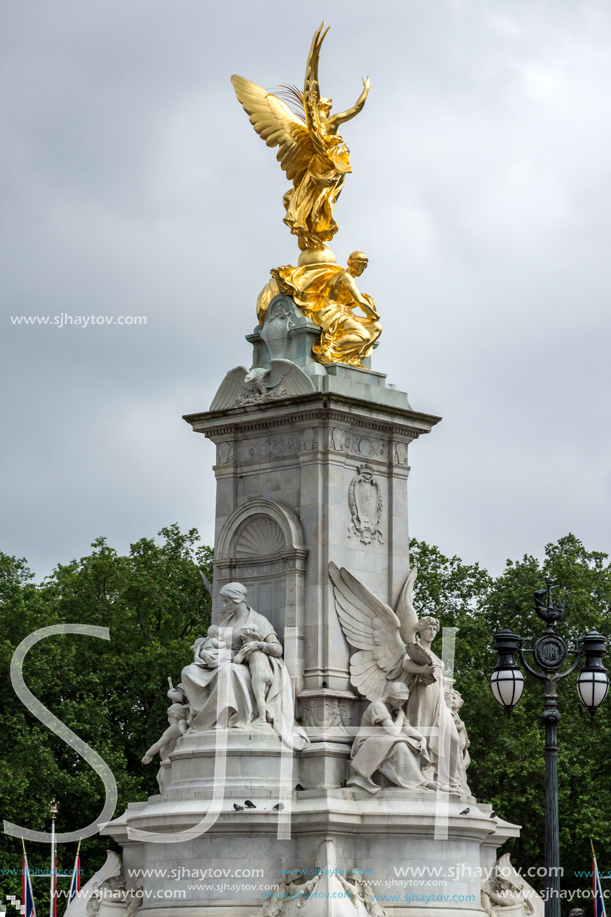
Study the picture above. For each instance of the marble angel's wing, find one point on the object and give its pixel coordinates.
(230, 389)
(292, 378)
(405, 609)
(275, 123)
(371, 627)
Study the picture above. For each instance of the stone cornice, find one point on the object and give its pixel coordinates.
(314, 407)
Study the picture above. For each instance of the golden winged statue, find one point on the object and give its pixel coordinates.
(315, 158)
(310, 149)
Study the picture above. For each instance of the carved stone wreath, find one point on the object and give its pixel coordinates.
(366, 504)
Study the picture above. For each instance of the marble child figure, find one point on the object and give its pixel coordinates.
(254, 654)
(164, 746)
(464, 759)
(207, 649)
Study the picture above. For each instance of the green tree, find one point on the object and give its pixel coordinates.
(517, 745)
(112, 694)
(507, 767)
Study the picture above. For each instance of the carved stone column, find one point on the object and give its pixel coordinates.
(302, 480)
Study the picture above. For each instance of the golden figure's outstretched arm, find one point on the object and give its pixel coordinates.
(335, 121)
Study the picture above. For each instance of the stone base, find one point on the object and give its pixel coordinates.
(231, 909)
(406, 844)
(290, 463)
(252, 760)
(324, 765)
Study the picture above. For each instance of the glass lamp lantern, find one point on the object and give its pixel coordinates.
(507, 679)
(593, 681)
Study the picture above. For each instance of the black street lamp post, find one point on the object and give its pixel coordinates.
(550, 652)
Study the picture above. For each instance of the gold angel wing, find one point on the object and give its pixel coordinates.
(371, 627)
(405, 609)
(275, 123)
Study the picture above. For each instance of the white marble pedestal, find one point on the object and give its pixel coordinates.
(408, 844)
(309, 474)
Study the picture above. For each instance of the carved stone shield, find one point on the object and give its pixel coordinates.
(366, 506)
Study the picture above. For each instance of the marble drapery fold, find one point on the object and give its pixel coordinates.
(388, 748)
(223, 692)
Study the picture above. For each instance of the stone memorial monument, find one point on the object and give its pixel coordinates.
(315, 758)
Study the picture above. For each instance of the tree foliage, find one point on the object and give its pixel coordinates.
(508, 768)
(111, 694)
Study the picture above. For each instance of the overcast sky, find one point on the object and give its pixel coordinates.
(133, 185)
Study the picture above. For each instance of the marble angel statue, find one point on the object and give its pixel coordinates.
(389, 650)
(310, 148)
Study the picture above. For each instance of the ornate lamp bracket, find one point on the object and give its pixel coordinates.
(550, 652)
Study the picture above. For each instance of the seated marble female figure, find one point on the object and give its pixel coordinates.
(394, 752)
(238, 676)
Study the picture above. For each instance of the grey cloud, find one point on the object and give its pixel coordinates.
(132, 184)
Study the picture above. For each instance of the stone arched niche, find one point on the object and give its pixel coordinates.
(261, 545)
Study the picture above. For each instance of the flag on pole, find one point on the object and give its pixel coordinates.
(27, 894)
(75, 883)
(599, 901)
